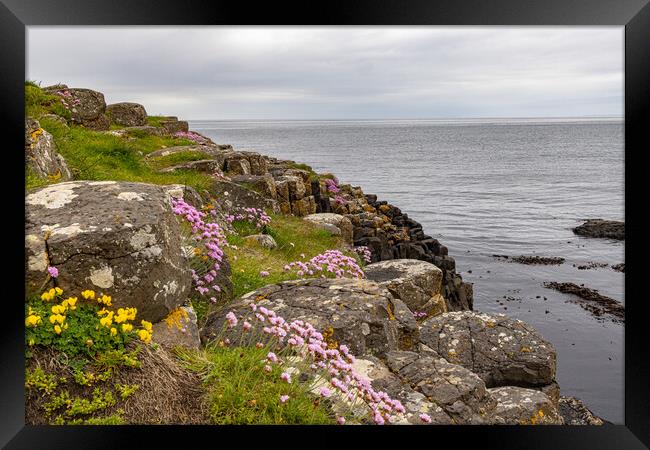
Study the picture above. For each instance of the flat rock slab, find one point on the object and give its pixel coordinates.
(118, 238)
(417, 283)
(521, 406)
(354, 312)
(599, 228)
(263, 240)
(500, 350)
(232, 196)
(460, 393)
(591, 300)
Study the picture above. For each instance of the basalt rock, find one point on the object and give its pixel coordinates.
(416, 283)
(574, 412)
(180, 331)
(263, 240)
(87, 107)
(354, 312)
(118, 238)
(263, 184)
(41, 154)
(502, 351)
(599, 228)
(127, 114)
(172, 125)
(231, 196)
(521, 406)
(460, 393)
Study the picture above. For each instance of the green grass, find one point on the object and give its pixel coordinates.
(93, 155)
(294, 237)
(239, 391)
(156, 121)
(38, 102)
(177, 158)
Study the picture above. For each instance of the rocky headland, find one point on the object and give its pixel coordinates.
(599, 228)
(240, 248)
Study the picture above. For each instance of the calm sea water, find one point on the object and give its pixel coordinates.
(485, 187)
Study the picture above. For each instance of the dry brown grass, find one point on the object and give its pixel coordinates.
(167, 392)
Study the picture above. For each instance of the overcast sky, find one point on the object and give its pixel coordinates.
(339, 72)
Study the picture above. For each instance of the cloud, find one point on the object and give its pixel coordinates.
(340, 72)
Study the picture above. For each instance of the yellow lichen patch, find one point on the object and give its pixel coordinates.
(525, 349)
(391, 311)
(328, 335)
(174, 318)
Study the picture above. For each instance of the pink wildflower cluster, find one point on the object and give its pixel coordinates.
(334, 364)
(68, 99)
(332, 261)
(332, 185)
(211, 238)
(255, 216)
(340, 200)
(192, 136)
(364, 252)
(419, 314)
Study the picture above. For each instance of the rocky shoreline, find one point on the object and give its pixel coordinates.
(599, 228)
(410, 321)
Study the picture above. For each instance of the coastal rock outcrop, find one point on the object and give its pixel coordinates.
(352, 311)
(87, 107)
(521, 406)
(41, 154)
(417, 283)
(127, 114)
(599, 228)
(574, 412)
(118, 238)
(500, 350)
(231, 196)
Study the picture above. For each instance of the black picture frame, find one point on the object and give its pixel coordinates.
(15, 15)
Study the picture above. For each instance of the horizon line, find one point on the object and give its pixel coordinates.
(413, 118)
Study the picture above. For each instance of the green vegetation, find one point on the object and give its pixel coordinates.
(95, 155)
(156, 121)
(177, 158)
(38, 102)
(239, 391)
(294, 236)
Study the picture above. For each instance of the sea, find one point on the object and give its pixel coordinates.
(486, 187)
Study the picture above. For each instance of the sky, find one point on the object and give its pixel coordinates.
(227, 73)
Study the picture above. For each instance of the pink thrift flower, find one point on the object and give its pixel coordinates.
(425, 418)
(53, 271)
(340, 420)
(264, 273)
(232, 320)
(247, 326)
(267, 368)
(325, 392)
(285, 377)
(272, 357)
(284, 398)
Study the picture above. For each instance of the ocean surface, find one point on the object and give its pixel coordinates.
(487, 187)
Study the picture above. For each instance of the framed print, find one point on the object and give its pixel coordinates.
(409, 217)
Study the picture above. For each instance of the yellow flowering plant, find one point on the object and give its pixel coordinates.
(82, 324)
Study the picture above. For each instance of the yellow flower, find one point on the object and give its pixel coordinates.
(58, 309)
(145, 336)
(58, 290)
(88, 294)
(105, 299)
(102, 311)
(32, 320)
(113, 331)
(146, 325)
(45, 296)
(70, 303)
(126, 327)
(106, 321)
(57, 329)
(31, 342)
(56, 318)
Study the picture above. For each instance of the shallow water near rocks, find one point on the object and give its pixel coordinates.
(491, 187)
